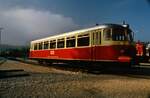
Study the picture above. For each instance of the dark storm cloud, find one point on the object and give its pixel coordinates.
(23, 25)
(23, 22)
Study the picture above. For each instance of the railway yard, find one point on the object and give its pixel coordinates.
(30, 80)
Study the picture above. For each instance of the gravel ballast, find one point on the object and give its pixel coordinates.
(48, 82)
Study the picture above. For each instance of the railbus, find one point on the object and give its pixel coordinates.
(106, 43)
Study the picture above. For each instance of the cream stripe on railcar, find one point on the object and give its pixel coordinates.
(68, 34)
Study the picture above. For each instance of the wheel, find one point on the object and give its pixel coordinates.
(40, 61)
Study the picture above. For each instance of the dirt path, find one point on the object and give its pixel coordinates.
(15, 65)
(48, 82)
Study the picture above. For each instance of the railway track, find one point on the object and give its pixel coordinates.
(2, 60)
(143, 69)
(12, 73)
(7, 73)
(107, 84)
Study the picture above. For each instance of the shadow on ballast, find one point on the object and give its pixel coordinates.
(12, 73)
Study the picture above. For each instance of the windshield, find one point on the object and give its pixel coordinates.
(117, 34)
(130, 35)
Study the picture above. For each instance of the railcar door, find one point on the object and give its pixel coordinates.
(95, 42)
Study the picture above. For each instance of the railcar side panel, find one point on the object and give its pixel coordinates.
(97, 53)
(68, 54)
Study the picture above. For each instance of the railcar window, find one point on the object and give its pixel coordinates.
(53, 44)
(100, 37)
(129, 35)
(107, 34)
(83, 40)
(40, 46)
(32, 47)
(46, 45)
(35, 46)
(61, 43)
(96, 39)
(119, 35)
(70, 42)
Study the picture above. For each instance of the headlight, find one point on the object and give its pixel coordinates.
(122, 51)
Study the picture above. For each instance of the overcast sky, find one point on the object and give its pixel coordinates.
(26, 20)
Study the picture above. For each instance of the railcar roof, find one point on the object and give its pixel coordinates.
(76, 32)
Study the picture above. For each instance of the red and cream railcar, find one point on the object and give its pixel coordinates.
(102, 43)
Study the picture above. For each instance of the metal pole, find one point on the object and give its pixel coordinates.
(0, 39)
(0, 34)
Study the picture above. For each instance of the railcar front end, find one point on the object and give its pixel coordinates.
(117, 45)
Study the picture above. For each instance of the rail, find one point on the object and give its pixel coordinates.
(2, 60)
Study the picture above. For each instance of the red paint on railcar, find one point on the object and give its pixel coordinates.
(115, 53)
